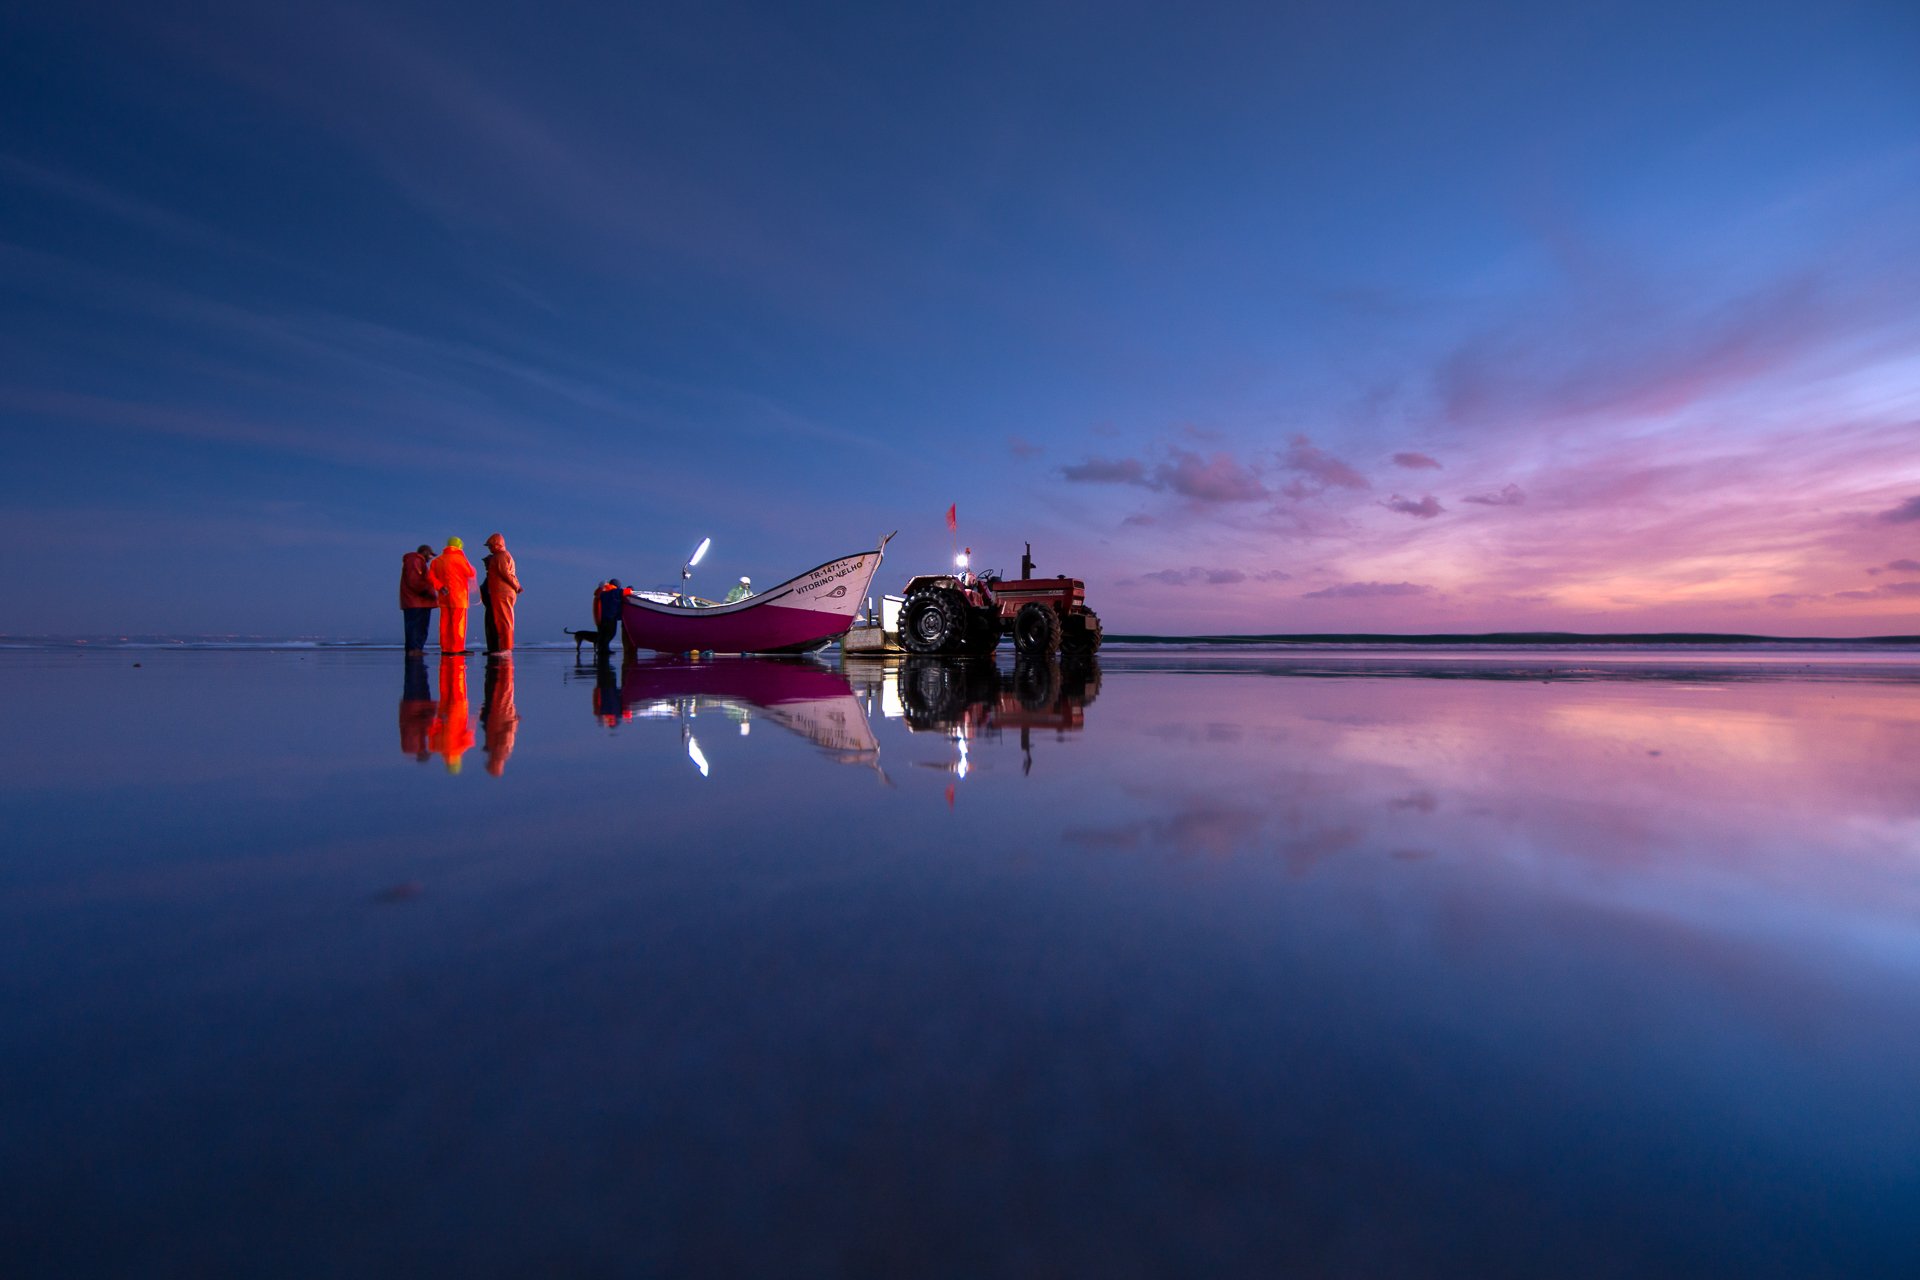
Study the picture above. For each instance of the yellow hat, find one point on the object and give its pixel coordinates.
(455, 543)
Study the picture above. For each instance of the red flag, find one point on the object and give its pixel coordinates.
(953, 518)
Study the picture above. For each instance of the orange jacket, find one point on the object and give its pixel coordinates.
(500, 570)
(452, 573)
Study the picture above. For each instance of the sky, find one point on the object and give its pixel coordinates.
(1391, 317)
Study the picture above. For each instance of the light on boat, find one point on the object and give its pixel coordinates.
(701, 551)
(961, 560)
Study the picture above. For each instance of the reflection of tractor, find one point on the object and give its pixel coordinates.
(976, 698)
(965, 613)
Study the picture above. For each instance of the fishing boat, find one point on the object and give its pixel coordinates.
(799, 615)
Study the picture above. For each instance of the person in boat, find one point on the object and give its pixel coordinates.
(452, 576)
(416, 597)
(498, 593)
(609, 604)
(740, 590)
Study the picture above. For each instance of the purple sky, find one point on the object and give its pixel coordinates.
(1261, 318)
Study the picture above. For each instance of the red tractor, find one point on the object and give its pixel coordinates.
(965, 613)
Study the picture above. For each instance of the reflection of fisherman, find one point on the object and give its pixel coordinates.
(416, 710)
(608, 706)
(740, 590)
(609, 603)
(451, 734)
(499, 716)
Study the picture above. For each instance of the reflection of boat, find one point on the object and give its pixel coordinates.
(798, 695)
(801, 614)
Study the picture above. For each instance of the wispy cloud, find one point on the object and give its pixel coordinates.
(1891, 590)
(1425, 509)
(1023, 449)
(1317, 469)
(1508, 495)
(1197, 575)
(1106, 471)
(1368, 591)
(1219, 477)
(1906, 513)
(1416, 462)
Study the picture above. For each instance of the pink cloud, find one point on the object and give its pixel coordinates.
(1106, 471)
(1318, 469)
(1197, 575)
(1415, 462)
(1219, 478)
(1368, 591)
(1510, 495)
(1905, 513)
(1425, 509)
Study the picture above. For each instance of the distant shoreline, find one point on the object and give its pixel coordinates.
(1517, 639)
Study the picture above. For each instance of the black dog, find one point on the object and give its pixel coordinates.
(602, 645)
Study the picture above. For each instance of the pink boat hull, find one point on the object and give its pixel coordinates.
(803, 613)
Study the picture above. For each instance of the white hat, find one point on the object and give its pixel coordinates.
(745, 579)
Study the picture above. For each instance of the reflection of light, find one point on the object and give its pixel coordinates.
(693, 754)
(961, 768)
(890, 705)
(744, 726)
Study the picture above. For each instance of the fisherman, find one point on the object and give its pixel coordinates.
(609, 604)
(740, 590)
(498, 593)
(452, 576)
(416, 598)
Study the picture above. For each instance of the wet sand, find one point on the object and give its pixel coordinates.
(1192, 963)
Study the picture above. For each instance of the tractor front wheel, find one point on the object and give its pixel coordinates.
(933, 620)
(1036, 631)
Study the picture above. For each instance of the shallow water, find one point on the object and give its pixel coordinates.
(1184, 965)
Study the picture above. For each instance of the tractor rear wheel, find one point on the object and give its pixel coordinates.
(933, 620)
(1082, 634)
(1036, 631)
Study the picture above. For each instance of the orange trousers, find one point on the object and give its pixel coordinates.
(500, 619)
(451, 733)
(453, 627)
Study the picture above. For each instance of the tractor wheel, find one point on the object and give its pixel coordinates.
(983, 632)
(1036, 684)
(1036, 631)
(932, 693)
(1082, 634)
(933, 620)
